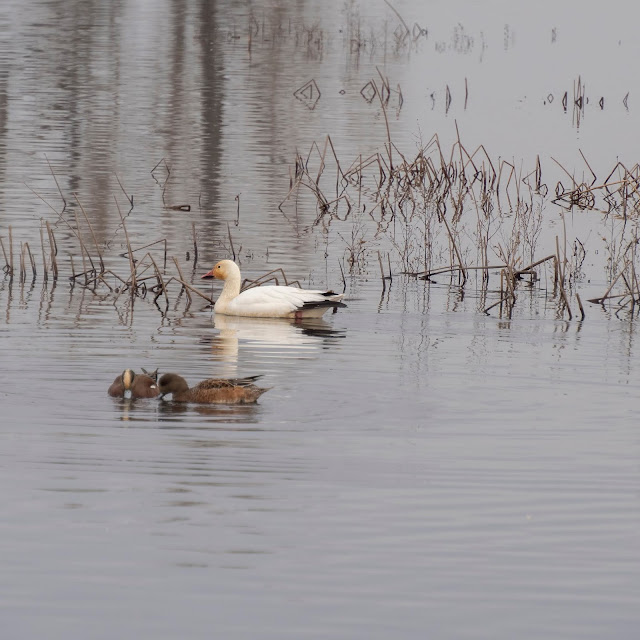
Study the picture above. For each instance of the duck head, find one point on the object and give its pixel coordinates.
(128, 376)
(152, 374)
(172, 383)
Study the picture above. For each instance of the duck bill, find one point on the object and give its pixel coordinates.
(208, 276)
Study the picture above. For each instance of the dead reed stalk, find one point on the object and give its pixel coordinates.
(93, 235)
(31, 260)
(53, 251)
(181, 280)
(64, 202)
(7, 266)
(162, 288)
(561, 280)
(44, 256)
(195, 241)
(132, 264)
(10, 252)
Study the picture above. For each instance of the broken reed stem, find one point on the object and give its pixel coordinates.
(35, 193)
(182, 278)
(404, 24)
(335, 157)
(10, 251)
(322, 165)
(233, 251)
(54, 251)
(104, 282)
(82, 249)
(613, 284)
(386, 122)
(130, 199)
(187, 286)
(44, 256)
(31, 259)
(93, 235)
(195, 240)
(23, 273)
(146, 246)
(139, 275)
(7, 268)
(534, 264)
(455, 248)
(56, 181)
(456, 267)
(163, 288)
(503, 298)
(132, 264)
(580, 306)
(510, 284)
(151, 244)
(247, 283)
(381, 268)
(561, 280)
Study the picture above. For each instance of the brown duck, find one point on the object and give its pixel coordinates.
(141, 385)
(222, 390)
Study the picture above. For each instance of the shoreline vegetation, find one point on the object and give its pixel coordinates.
(454, 212)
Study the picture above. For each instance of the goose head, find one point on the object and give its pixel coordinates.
(223, 270)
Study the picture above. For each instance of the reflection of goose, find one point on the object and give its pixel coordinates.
(271, 332)
(268, 301)
(139, 386)
(214, 391)
(270, 336)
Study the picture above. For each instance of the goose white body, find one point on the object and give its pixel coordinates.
(268, 301)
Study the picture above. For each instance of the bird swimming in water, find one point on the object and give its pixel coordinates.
(140, 385)
(269, 301)
(214, 391)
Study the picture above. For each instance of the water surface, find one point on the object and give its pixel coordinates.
(418, 468)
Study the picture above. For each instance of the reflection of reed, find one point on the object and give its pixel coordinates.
(424, 206)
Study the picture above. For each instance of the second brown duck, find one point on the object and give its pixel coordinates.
(212, 390)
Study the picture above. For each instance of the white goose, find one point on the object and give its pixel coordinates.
(268, 301)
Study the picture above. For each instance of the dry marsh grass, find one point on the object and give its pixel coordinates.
(450, 212)
(459, 211)
(152, 273)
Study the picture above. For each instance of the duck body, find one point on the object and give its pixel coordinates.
(212, 390)
(269, 301)
(137, 385)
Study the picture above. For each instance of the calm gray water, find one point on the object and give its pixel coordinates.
(419, 469)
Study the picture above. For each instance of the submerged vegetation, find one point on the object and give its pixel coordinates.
(460, 212)
(152, 274)
(454, 213)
